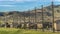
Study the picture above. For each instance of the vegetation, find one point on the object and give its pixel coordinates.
(22, 31)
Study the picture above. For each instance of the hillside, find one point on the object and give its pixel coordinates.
(18, 16)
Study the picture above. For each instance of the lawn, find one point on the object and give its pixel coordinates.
(22, 31)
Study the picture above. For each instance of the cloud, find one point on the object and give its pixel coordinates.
(26, 0)
(6, 0)
(6, 5)
(56, 0)
(19, 0)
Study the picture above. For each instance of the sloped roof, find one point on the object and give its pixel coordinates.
(57, 21)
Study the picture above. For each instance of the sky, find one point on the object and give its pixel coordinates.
(24, 5)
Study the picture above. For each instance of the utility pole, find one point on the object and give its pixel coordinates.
(11, 26)
(14, 20)
(5, 21)
(29, 15)
(35, 14)
(42, 19)
(53, 16)
(35, 18)
(20, 18)
(24, 21)
(29, 19)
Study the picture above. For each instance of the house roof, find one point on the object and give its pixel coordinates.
(57, 21)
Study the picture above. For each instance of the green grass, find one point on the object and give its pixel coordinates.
(22, 31)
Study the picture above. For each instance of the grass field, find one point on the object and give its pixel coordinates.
(22, 31)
